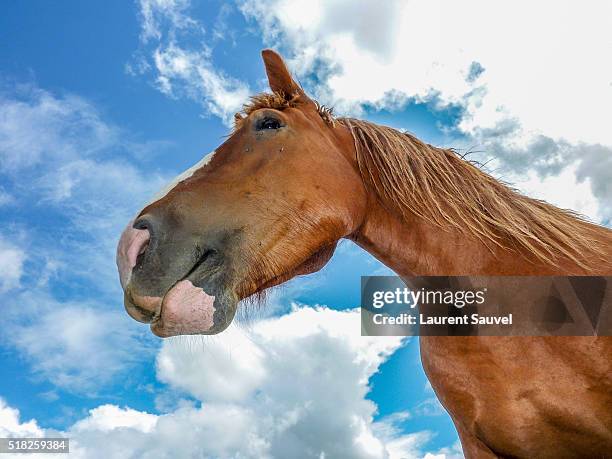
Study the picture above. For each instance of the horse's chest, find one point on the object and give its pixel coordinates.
(518, 393)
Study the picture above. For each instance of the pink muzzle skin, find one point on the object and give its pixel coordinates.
(184, 310)
(132, 243)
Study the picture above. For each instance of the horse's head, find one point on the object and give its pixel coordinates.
(270, 203)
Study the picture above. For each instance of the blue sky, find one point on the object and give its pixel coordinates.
(103, 102)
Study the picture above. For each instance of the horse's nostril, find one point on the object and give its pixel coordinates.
(142, 224)
(130, 250)
(134, 244)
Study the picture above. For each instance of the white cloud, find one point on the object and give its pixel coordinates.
(63, 150)
(290, 386)
(423, 47)
(521, 71)
(12, 259)
(75, 345)
(10, 425)
(289, 372)
(96, 199)
(155, 13)
(59, 149)
(106, 418)
(235, 376)
(37, 126)
(59, 152)
(191, 73)
(399, 446)
(173, 47)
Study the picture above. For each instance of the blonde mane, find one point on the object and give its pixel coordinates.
(412, 177)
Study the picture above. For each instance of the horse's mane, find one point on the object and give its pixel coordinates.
(411, 177)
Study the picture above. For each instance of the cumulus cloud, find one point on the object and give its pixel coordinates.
(290, 386)
(11, 426)
(106, 418)
(533, 80)
(174, 50)
(573, 176)
(303, 376)
(408, 47)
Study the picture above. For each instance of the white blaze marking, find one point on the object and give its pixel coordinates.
(181, 177)
(123, 259)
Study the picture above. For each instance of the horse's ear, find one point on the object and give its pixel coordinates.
(279, 78)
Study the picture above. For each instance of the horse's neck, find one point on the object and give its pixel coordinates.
(417, 247)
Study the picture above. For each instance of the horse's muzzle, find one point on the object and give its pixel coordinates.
(185, 308)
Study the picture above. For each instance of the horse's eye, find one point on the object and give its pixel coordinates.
(268, 123)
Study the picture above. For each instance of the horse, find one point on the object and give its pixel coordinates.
(291, 180)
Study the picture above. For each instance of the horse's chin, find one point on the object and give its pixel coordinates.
(185, 309)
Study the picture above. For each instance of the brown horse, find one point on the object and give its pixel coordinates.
(290, 181)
